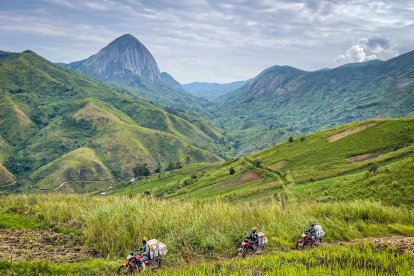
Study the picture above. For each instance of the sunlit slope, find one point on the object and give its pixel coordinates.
(48, 112)
(370, 159)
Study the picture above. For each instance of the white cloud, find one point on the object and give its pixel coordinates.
(367, 49)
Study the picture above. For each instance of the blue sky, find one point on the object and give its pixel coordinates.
(216, 41)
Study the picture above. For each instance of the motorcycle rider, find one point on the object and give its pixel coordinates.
(144, 253)
(312, 233)
(254, 238)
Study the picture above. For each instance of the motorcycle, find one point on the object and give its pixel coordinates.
(306, 240)
(132, 266)
(247, 248)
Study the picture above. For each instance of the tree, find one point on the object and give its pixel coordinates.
(302, 138)
(141, 170)
(232, 171)
(187, 160)
(373, 168)
(291, 139)
(158, 169)
(257, 162)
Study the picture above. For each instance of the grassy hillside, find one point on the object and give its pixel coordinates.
(49, 113)
(282, 100)
(370, 159)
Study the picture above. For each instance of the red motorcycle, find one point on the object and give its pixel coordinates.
(247, 248)
(132, 266)
(305, 240)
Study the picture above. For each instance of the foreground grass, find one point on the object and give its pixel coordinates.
(113, 225)
(334, 260)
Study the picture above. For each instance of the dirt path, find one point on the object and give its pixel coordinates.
(23, 245)
(348, 132)
(74, 181)
(401, 243)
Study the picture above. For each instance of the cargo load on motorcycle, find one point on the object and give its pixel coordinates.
(262, 238)
(157, 248)
(319, 231)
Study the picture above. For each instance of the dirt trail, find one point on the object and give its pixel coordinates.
(363, 157)
(23, 245)
(348, 132)
(401, 243)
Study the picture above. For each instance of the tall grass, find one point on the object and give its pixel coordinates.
(114, 225)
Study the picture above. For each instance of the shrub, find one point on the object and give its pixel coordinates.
(257, 162)
(291, 139)
(232, 171)
(372, 168)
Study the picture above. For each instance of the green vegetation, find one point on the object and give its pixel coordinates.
(334, 260)
(365, 160)
(283, 101)
(59, 126)
(114, 225)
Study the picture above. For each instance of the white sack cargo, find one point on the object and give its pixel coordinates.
(319, 231)
(156, 248)
(262, 238)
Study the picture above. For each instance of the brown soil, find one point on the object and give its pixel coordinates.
(402, 244)
(23, 245)
(244, 178)
(363, 157)
(348, 132)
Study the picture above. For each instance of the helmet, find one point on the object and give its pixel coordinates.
(254, 229)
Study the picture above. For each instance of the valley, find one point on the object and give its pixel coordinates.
(97, 153)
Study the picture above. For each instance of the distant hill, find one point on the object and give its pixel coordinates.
(283, 101)
(123, 58)
(59, 126)
(126, 61)
(212, 90)
(364, 160)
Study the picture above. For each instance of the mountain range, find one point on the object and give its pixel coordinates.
(105, 117)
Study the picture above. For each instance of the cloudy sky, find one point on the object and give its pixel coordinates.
(215, 41)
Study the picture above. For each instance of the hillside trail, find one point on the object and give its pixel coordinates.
(401, 243)
(23, 245)
(73, 181)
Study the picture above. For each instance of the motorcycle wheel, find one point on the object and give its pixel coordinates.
(300, 245)
(154, 264)
(239, 252)
(125, 270)
(247, 252)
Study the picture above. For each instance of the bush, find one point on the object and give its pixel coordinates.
(372, 168)
(257, 162)
(232, 171)
(290, 139)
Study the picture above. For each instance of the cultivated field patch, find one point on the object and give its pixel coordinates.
(348, 132)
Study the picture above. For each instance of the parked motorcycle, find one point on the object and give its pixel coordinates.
(132, 266)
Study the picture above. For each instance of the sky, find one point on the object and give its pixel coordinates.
(211, 40)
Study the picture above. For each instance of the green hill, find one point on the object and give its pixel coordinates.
(371, 159)
(49, 113)
(283, 101)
